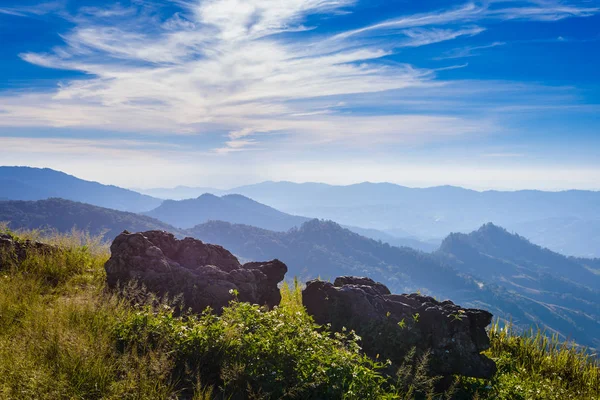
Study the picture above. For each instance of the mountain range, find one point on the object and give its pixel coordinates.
(231, 208)
(567, 222)
(64, 215)
(25, 183)
(239, 209)
(489, 268)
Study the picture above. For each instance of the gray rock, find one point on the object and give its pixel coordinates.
(14, 251)
(204, 274)
(390, 325)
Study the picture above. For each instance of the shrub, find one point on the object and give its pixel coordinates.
(63, 335)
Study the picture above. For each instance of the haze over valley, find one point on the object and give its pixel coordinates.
(300, 199)
(486, 267)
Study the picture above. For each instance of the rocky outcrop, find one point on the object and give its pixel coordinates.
(390, 325)
(206, 275)
(14, 251)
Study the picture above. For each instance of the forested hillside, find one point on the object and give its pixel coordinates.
(64, 215)
(324, 249)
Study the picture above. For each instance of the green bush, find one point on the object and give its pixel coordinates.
(63, 335)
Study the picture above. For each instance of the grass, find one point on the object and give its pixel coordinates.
(533, 365)
(63, 335)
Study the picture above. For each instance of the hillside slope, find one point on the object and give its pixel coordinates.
(25, 183)
(325, 249)
(564, 221)
(65, 335)
(64, 215)
(238, 209)
(230, 208)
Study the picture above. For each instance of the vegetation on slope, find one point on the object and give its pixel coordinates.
(490, 269)
(64, 335)
(232, 208)
(64, 215)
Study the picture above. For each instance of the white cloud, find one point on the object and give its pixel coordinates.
(223, 66)
(146, 165)
(468, 51)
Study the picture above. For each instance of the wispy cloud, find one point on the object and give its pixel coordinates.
(37, 10)
(240, 67)
(504, 155)
(468, 51)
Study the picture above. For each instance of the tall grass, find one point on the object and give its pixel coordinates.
(63, 335)
(540, 366)
(56, 328)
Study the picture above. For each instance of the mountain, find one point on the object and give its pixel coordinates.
(180, 192)
(396, 238)
(525, 258)
(490, 269)
(566, 289)
(230, 208)
(25, 183)
(566, 235)
(239, 209)
(325, 249)
(64, 215)
(432, 213)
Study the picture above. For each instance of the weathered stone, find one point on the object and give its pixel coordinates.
(13, 251)
(205, 274)
(390, 325)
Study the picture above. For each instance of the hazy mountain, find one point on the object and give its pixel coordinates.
(239, 209)
(230, 208)
(402, 240)
(564, 289)
(524, 259)
(179, 192)
(325, 249)
(569, 217)
(63, 215)
(490, 269)
(566, 235)
(24, 183)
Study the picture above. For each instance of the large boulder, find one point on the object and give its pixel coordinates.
(390, 325)
(206, 275)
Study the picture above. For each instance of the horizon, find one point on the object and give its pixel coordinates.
(225, 189)
(484, 95)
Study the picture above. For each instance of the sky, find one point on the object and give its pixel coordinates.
(499, 94)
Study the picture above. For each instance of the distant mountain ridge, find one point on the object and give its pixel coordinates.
(466, 268)
(238, 209)
(571, 218)
(567, 221)
(230, 208)
(489, 268)
(180, 192)
(25, 183)
(64, 215)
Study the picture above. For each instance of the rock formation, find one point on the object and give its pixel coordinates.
(391, 325)
(13, 251)
(207, 275)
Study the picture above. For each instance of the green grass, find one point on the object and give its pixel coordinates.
(533, 365)
(63, 335)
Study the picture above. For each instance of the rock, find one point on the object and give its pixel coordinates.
(390, 325)
(14, 251)
(205, 274)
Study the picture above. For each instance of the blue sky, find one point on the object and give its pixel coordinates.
(492, 94)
